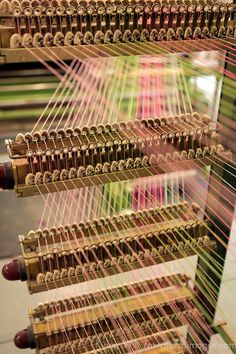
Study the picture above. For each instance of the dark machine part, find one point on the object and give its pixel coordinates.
(6, 176)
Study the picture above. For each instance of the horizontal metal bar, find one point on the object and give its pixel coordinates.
(82, 52)
(34, 287)
(77, 183)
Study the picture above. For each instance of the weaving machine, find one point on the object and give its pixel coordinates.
(28, 26)
(125, 188)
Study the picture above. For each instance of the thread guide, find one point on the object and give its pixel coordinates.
(52, 161)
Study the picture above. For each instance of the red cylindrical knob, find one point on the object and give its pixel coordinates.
(11, 270)
(21, 339)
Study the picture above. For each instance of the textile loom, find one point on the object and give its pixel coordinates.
(37, 24)
(133, 169)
